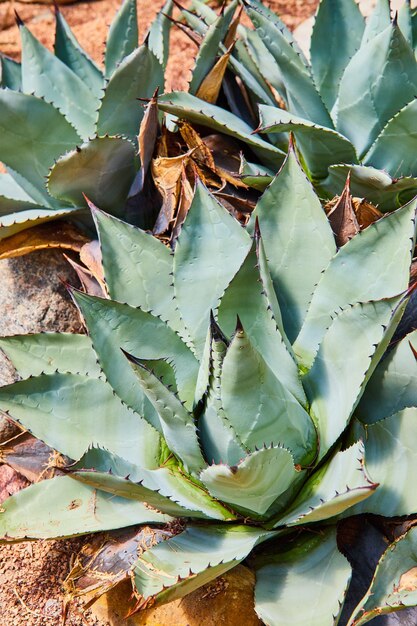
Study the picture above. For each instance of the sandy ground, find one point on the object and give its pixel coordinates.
(31, 573)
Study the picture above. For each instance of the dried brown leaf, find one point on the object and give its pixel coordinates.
(166, 172)
(210, 87)
(342, 217)
(32, 458)
(57, 234)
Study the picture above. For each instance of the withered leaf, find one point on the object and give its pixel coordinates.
(57, 234)
(184, 204)
(342, 217)
(90, 255)
(210, 87)
(201, 151)
(148, 133)
(166, 172)
(32, 458)
(89, 283)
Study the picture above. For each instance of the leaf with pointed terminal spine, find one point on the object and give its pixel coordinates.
(379, 20)
(46, 76)
(210, 250)
(123, 36)
(259, 407)
(159, 31)
(354, 275)
(62, 507)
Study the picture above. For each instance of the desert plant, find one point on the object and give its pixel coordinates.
(69, 128)
(228, 395)
(352, 107)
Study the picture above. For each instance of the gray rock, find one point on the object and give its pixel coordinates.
(33, 299)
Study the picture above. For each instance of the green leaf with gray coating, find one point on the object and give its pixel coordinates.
(103, 169)
(11, 73)
(123, 36)
(62, 507)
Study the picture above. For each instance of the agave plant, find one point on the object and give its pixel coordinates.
(69, 128)
(352, 107)
(228, 395)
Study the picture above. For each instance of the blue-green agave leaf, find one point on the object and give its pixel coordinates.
(259, 407)
(11, 73)
(46, 76)
(158, 36)
(193, 558)
(393, 385)
(15, 222)
(348, 354)
(378, 21)
(61, 410)
(137, 76)
(335, 487)
(62, 507)
(14, 198)
(373, 89)
(297, 253)
(393, 585)
(355, 275)
(210, 250)
(123, 36)
(30, 148)
(103, 169)
(47, 353)
(255, 482)
(311, 563)
(320, 146)
(337, 35)
(404, 17)
(69, 51)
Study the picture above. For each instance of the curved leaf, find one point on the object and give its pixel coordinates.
(158, 36)
(13, 223)
(61, 410)
(103, 169)
(372, 89)
(62, 507)
(46, 76)
(337, 35)
(33, 134)
(335, 487)
(310, 564)
(255, 483)
(320, 146)
(378, 21)
(11, 73)
(69, 51)
(259, 407)
(354, 275)
(123, 36)
(210, 249)
(47, 353)
(137, 76)
(297, 253)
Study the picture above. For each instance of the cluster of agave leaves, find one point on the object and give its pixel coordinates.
(356, 113)
(69, 128)
(235, 394)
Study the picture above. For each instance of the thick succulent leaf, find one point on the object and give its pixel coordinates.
(113, 326)
(158, 36)
(335, 487)
(372, 89)
(13, 198)
(103, 169)
(138, 269)
(210, 250)
(33, 134)
(178, 426)
(405, 21)
(255, 175)
(303, 97)
(393, 385)
(183, 563)
(251, 296)
(244, 67)
(62, 410)
(11, 73)
(253, 484)
(337, 35)
(46, 76)
(367, 182)
(297, 253)
(46, 353)
(393, 586)
(399, 131)
(391, 459)
(62, 507)
(123, 36)
(208, 51)
(320, 146)
(166, 488)
(15, 222)
(259, 407)
(70, 52)
(187, 106)
(378, 21)
(348, 354)
(137, 76)
(311, 565)
(355, 275)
